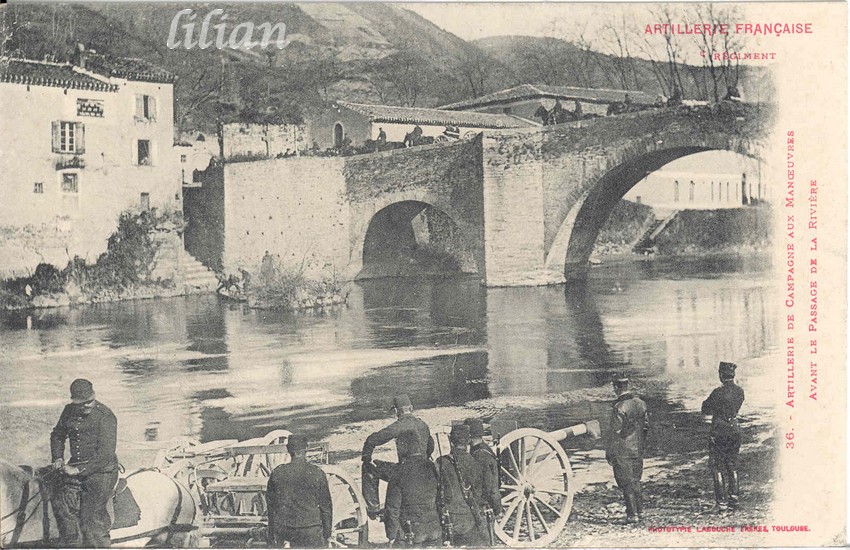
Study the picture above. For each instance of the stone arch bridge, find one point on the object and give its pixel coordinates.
(518, 207)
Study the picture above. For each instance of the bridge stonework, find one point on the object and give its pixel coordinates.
(524, 206)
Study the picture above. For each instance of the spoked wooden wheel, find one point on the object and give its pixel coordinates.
(442, 446)
(351, 527)
(536, 487)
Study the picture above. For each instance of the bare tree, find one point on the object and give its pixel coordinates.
(664, 51)
(617, 39)
(476, 68)
(714, 46)
(584, 73)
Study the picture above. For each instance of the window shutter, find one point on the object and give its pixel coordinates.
(140, 106)
(57, 136)
(80, 137)
(152, 107)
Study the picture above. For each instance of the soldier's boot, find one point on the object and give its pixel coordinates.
(719, 493)
(631, 506)
(733, 489)
(639, 502)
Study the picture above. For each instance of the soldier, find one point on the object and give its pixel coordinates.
(629, 425)
(92, 431)
(372, 471)
(723, 405)
(299, 501)
(461, 490)
(411, 516)
(489, 499)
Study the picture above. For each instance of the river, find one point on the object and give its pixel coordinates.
(204, 368)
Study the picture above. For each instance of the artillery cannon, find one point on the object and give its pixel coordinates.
(535, 479)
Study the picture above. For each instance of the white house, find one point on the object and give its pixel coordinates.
(81, 143)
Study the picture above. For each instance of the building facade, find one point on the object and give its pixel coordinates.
(81, 146)
(359, 122)
(670, 190)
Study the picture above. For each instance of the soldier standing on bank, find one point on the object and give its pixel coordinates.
(629, 426)
(723, 405)
(489, 499)
(411, 517)
(92, 432)
(461, 489)
(299, 501)
(373, 471)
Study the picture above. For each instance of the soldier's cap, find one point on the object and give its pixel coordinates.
(400, 401)
(459, 433)
(81, 391)
(727, 369)
(620, 381)
(476, 427)
(409, 439)
(296, 442)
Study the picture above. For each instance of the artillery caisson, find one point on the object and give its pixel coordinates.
(229, 478)
(535, 480)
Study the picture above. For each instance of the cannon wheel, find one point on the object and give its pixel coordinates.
(536, 486)
(351, 527)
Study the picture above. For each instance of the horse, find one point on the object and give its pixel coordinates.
(553, 117)
(167, 518)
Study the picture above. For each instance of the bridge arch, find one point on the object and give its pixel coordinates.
(578, 220)
(414, 236)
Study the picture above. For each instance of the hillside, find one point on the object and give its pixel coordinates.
(366, 52)
(362, 52)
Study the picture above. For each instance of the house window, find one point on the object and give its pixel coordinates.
(70, 182)
(68, 137)
(182, 158)
(727, 191)
(691, 191)
(143, 152)
(676, 191)
(38, 187)
(145, 108)
(638, 199)
(712, 191)
(145, 202)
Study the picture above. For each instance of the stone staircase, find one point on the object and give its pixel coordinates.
(173, 263)
(197, 278)
(647, 240)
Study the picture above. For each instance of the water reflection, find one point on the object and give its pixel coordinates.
(197, 367)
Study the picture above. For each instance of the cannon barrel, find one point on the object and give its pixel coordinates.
(590, 428)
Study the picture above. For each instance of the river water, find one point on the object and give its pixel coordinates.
(200, 367)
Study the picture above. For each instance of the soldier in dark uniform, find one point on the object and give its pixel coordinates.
(373, 471)
(723, 405)
(461, 490)
(629, 425)
(489, 499)
(91, 430)
(411, 517)
(299, 501)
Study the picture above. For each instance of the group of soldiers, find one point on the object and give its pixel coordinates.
(453, 500)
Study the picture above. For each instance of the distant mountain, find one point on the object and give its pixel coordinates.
(366, 52)
(362, 52)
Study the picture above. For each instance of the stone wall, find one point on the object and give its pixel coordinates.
(293, 207)
(513, 208)
(269, 140)
(203, 210)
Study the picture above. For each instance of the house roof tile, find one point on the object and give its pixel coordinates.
(432, 117)
(539, 91)
(42, 73)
